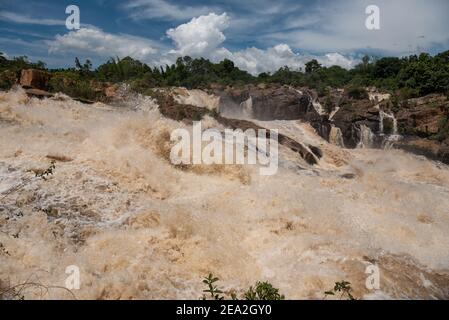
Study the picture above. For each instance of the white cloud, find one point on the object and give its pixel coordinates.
(200, 36)
(256, 60)
(95, 41)
(150, 9)
(340, 25)
(18, 18)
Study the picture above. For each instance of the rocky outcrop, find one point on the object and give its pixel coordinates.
(188, 113)
(432, 149)
(266, 103)
(420, 125)
(273, 102)
(425, 123)
(353, 117)
(423, 116)
(34, 79)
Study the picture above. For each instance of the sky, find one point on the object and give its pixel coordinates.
(258, 35)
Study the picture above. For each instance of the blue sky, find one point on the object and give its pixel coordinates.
(258, 35)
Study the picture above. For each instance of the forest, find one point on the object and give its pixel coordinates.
(405, 77)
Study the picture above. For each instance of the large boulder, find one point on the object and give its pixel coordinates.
(354, 115)
(34, 79)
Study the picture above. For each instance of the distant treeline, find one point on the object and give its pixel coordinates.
(412, 76)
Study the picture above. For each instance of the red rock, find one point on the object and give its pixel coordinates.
(36, 79)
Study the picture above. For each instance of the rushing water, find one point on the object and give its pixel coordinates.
(137, 227)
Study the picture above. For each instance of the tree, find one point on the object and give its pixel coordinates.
(312, 66)
(83, 69)
(2, 58)
(387, 67)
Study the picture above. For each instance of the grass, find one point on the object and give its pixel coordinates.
(18, 291)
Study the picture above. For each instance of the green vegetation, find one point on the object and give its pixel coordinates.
(407, 77)
(10, 69)
(212, 290)
(73, 84)
(261, 291)
(356, 92)
(266, 291)
(343, 289)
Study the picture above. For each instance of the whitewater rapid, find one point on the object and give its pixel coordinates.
(140, 228)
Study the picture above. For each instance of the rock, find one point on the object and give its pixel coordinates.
(348, 176)
(110, 91)
(188, 113)
(351, 116)
(310, 153)
(59, 157)
(35, 79)
(431, 149)
(266, 103)
(38, 93)
(423, 116)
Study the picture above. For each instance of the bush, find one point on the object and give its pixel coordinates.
(357, 93)
(71, 84)
(261, 291)
(7, 79)
(343, 288)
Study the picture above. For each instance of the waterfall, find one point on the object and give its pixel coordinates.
(313, 101)
(336, 137)
(318, 107)
(247, 107)
(366, 137)
(382, 116)
(393, 137)
(332, 114)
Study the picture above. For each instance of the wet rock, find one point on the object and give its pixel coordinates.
(351, 116)
(59, 157)
(38, 93)
(348, 176)
(266, 103)
(431, 149)
(188, 113)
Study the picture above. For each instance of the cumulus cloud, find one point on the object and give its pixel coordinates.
(256, 60)
(97, 42)
(204, 35)
(201, 35)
